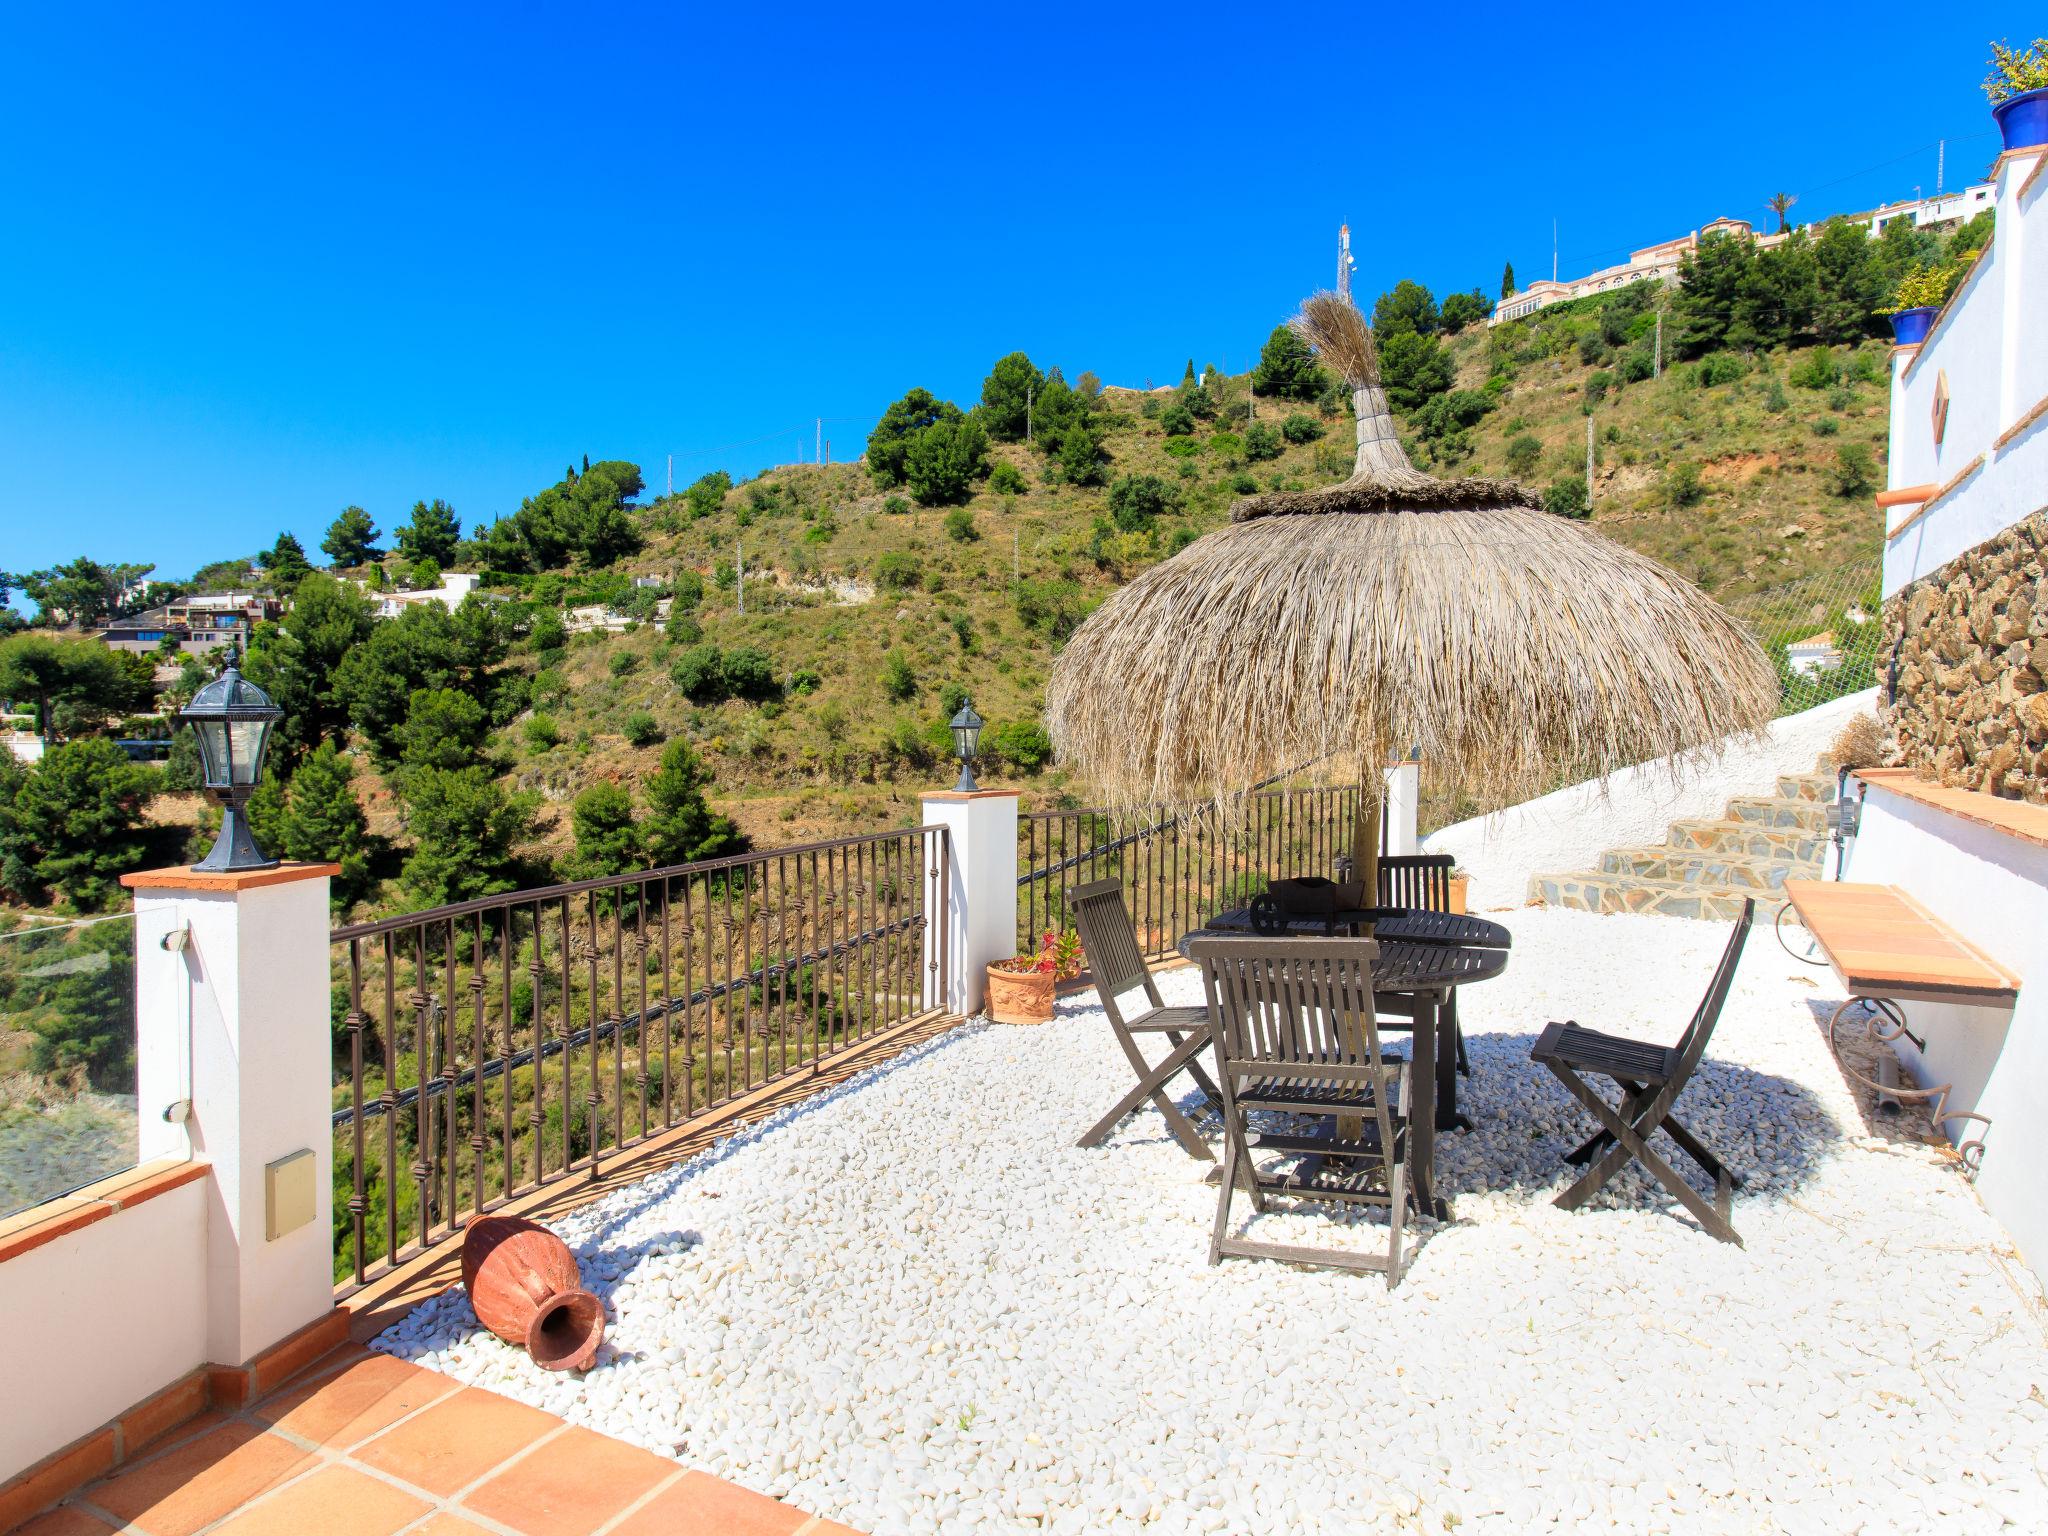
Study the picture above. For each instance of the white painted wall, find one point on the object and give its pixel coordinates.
(1570, 828)
(1992, 889)
(1990, 349)
(981, 915)
(103, 1317)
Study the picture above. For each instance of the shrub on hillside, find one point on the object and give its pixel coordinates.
(542, 733)
(1523, 453)
(749, 673)
(1054, 608)
(1287, 368)
(1636, 365)
(899, 679)
(960, 526)
(1718, 368)
(1137, 501)
(1007, 480)
(1683, 484)
(1299, 428)
(1023, 744)
(898, 571)
(1597, 385)
(1261, 442)
(642, 729)
(1178, 421)
(1855, 472)
(699, 674)
(1567, 497)
(1816, 370)
(943, 462)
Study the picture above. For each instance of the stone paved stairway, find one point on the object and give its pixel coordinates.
(1707, 868)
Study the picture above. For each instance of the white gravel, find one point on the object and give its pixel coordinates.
(912, 1304)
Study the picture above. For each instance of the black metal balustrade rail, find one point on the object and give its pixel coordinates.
(500, 1045)
(1178, 870)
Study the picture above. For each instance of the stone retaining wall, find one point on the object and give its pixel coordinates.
(1971, 703)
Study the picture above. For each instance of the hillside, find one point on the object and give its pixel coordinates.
(821, 545)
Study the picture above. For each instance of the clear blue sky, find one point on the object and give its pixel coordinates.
(256, 266)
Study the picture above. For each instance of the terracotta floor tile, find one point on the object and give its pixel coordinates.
(196, 1483)
(347, 1409)
(65, 1521)
(571, 1486)
(450, 1525)
(457, 1441)
(702, 1505)
(335, 1501)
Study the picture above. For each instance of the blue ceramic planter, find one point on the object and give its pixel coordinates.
(1910, 326)
(2023, 119)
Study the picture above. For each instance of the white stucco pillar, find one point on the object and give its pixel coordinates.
(231, 982)
(981, 900)
(1403, 802)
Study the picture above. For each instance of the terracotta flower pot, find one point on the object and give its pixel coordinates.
(1020, 997)
(1460, 885)
(526, 1289)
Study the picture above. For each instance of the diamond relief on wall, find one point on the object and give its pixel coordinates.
(1940, 406)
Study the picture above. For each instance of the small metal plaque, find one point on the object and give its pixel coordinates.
(288, 1193)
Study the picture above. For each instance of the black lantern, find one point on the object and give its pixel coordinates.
(232, 718)
(966, 737)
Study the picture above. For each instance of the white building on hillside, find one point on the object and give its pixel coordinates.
(455, 586)
(1660, 262)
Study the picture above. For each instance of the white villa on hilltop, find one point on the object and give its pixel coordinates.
(1660, 262)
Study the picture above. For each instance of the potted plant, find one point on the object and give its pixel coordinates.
(1020, 989)
(1918, 299)
(2018, 88)
(1461, 883)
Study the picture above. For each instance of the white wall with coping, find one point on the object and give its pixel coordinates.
(981, 898)
(1989, 350)
(104, 1317)
(1992, 888)
(1570, 828)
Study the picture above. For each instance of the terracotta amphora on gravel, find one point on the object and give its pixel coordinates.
(523, 1282)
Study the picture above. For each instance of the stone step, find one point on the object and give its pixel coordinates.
(1741, 871)
(1794, 844)
(1596, 891)
(1807, 786)
(1770, 811)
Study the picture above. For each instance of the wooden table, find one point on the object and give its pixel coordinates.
(1419, 982)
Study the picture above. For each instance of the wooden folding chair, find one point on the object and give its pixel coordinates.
(1298, 1034)
(1423, 881)
(1117, 966)
(1650, 1078)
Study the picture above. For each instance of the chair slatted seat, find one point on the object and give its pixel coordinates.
(1650, 1078)
(1118, 967)
(1297, 1031)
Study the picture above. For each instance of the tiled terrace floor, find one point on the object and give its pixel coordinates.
(368, 1445)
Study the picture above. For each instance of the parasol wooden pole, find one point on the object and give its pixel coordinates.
(1365, 832)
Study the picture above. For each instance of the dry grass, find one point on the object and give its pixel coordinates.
(1396, 611)
(1861, 743)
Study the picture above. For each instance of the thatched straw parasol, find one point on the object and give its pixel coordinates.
(1345, 625)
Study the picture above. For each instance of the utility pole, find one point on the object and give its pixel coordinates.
(1657, 357)
(739, 574)
(1027, 413)
(818, 451)
(1589, 461)
(1940, 166)
(1553, 250)
(671, 474)
(1016, 565)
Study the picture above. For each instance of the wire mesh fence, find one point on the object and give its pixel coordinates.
(1823, 633)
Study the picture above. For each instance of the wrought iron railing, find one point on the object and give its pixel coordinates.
(500, 1045)
(1178, 869)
